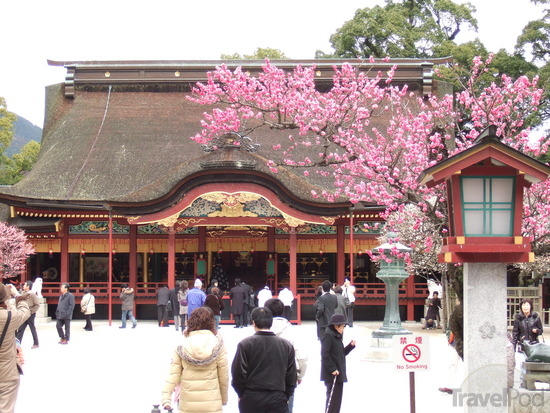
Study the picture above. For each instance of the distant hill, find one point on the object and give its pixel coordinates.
(25, 132)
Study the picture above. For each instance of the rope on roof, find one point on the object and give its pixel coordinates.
(77, 177)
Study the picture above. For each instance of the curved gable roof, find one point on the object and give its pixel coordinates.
(119, 133)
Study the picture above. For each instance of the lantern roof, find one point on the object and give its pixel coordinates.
(487, 147)
(393, 246)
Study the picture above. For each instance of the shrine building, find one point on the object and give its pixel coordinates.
(121, 194)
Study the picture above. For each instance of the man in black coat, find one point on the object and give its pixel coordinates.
(163, 297)
(264, 368)
(238, 296)
(246, 305)
(175, 304)
(325, 306)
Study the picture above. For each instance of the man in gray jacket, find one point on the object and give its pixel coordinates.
(64, 313)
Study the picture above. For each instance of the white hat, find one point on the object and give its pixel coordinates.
(198, 283)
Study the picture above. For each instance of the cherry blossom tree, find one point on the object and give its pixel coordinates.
(375, 138)
(14, 250)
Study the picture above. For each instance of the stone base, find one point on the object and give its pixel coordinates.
(380, 350)
(389, 333)
(535, 372)
(42, 312)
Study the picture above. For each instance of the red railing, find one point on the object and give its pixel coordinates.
(146, 292)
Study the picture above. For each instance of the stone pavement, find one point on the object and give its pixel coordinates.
(123, 370)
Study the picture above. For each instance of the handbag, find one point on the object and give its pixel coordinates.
(5, 328)
(184, 302)
(19, 369)
(347, 302)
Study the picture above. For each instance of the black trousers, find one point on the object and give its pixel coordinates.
(162, 315)
(246, 315)
(238, 319)
(350, 314)
(263, 402)
(287, 312)
(30, 323)
(64, 323)
(88, 325)
(336, 399)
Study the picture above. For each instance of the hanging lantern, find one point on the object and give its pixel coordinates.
(252, 250)
(183, 250)
(114, 251)
(321, 251)
(82, 251)
(50, 252)
(220, 251)
(360, 252)
(151, 251)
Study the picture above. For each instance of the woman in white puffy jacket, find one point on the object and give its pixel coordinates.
(199, 367)
(87, 306)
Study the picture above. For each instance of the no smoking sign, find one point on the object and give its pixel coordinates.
(411, 352)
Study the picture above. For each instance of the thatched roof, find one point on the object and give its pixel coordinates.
(125, 139)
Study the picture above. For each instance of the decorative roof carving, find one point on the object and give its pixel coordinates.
(231, 140)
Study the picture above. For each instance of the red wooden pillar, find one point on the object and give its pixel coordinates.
(64, 264)
(202, 239)
(270, 239)
(110, 276)
(293, 260)
(340, 252)
(171, 258)
(132, 266)
(410, 298)
(351, 247)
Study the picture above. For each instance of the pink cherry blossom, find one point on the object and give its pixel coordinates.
(375, 137)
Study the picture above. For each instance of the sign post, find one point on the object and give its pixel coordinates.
(411, 353)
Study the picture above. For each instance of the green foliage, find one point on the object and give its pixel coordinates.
(535, 37)
(24, 132)
(261, 53)
(407, 28)
(13, 169)
(7, 120)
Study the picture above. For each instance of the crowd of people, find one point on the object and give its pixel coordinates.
(266, 368)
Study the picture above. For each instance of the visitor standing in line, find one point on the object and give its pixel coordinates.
(287, 297)
(238, 296)
(324, 308)
(195, 297)
(348, 291)
(182, 299)
(127, 296)
(34, 305)
(163, 297)
(264, 368)
(282, 328)
(175, 304)
(87, 306)
(199, 367)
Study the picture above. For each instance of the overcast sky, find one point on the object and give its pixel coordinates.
(37, 30)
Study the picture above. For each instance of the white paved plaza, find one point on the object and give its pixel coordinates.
(122, 370)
